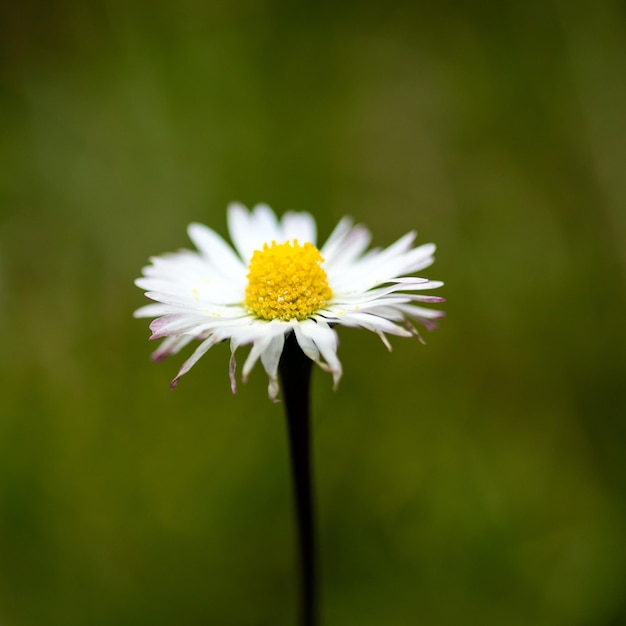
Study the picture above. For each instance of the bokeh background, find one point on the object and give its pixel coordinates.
(480, 479)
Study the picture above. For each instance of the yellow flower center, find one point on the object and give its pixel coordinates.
(286, 281)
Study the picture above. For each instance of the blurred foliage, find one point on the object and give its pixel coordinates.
(480, 479)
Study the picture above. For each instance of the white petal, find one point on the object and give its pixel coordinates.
(250, 230)
(325, 338)
(259, 334)
(265, 224)
(193, 304)
(255, 333)
(346, 249)
(373, 323)
(429, 284)
(153, 310)
(420, 312)
(423, 257)
(217, 251)
(265, 227)
(249, 333)
(258, 347)
(171, 345)
(308, 346)
(333, 243)
(372, 295)
(232, 369)
(270, 358)
(190, 276)
(241, 233)
(374, 271)
(375, 268)
(178, 324)
(415, 297)
(175, 324)
(300, 226)
(193, 359)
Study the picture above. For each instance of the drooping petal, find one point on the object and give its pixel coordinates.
(264, 335)
(325, 338)
(308, 346)
(171, 345)
(232, 368)
(200, 351)
(270, 358)
(253, 356)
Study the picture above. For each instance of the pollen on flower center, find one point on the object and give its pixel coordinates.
(286, 281)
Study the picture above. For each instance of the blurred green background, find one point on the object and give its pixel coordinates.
(480, 479)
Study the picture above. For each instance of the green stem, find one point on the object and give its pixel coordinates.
(295, 374)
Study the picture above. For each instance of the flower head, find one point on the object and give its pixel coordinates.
(276, 281)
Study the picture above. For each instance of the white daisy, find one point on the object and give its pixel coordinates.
(275, 282)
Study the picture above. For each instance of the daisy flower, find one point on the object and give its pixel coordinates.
(276, 281)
